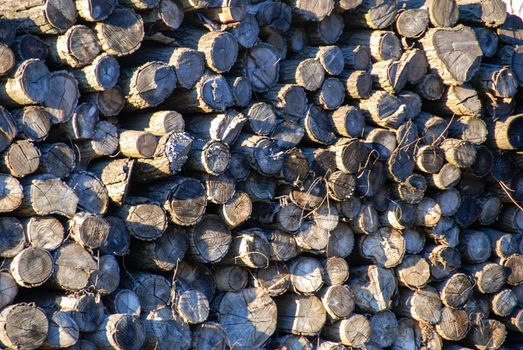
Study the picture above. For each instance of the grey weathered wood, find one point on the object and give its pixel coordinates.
(490, 13)
(307, 73)
(383, 45)
(224, 127)
(293, 318)
(153, 291)
(289, 100)
(27, 46)
(63, 331)
(77, 47)
(31, 267)
(144, 219)
(261, 67)
(412, 23)
(454, 324)
(106, 278)
(95, 10)
(123, 301)
(109, 102)
(72, 268)
(14, 335)
(117, 242)
(368, 298)
(19, 89)
(121, 33)
(115, 330)
(372, 14)
(63, 98)
(204, 236)
(443, 260)
(164, 328)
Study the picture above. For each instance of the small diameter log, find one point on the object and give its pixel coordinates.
(117, 242)
(44, 232)
(384, 109)
(11, 193)
(291, 342)
(73, 265)
(170, 155)
(454, 324)
(489, 277)
(312, 237)
(106, 278)
(114, 175)
(241, 90)
(502, 303)
(8, 129)
(211, 93)
(153, 291)
(469, 129)
(223, 127)
(331, 94)
(503, 132)
(88, 230)
(414, 241)
(491, 13)
(389, 75)
(31, 267)
(63, 99)
(57, 159)
(307, 73)
(423, 305)
(119, 331)
(287, 134)
(430, 87)
(443, 261)
(147, 85)
(443, 13)
(289, 100)
(488, 40)
(461, 44)
(42, 16)
(474, 246)
(338, 301)
(8, 59)
(488, 334)
(263, 154)
(458, 152)
(297, 314)
(261, 67)
(109, 102)
(428, 212)
(33, 123)
(145, 220)
(456, 290)
(210, 156)
(95, 10)
(503, 244)
(137, 144)
(386, 247)
(372, 14)
(231, 278)
(498, 80)
(306, 275)
(63, 331)
(77, 47)
(514, 272)
(123, 301)
(29, 46)
(347, 121)
(208, 336)
(20, 159)
(205, 235)
(514, 321)
(168, 15)
(157, 123)
(511, 219)
(412, 190)
(249, 249)
(341, 186)
(99, 75)
(327, 31)
(384, 45)
(364, 282)
(274, 280)
(261, 317)
(384, 329)
(91, 192)
(13, 330)
(164, 328)
(236, 210)
(412, 333)
(45, 195)
(412, 23)
(458, 99)
(446, 232)
(429, 159)
(192, 306)
(335, 271)
(413, 272)
(352, 331)
(19, 89)
(448, 176)
(121, 33)
(261, 118)
(491, 207)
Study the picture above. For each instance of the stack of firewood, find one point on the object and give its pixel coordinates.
(250, 174)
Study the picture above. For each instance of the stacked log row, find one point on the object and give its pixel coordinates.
(259, 174)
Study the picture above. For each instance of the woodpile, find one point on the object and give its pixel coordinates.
(259, 174)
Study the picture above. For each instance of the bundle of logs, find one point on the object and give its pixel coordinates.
(296, 174)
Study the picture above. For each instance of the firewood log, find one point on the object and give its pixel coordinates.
(274, 279)
(13, 335)
(454, 324)
(57, 159)
(356, 57)
(412, 23)
(261, 67)
(101, 74)
(443, 260)
(63, 331)
(491, 13)
(77, 47)
(72, 268)
(8, 59)
(42, 16)
(44, 232)
(488, 40)
(88, 230)
(164, 328)
(106, 278)
(299, 314)
(305, 72)
(18, 89)
(261, 118)
(488, 334)
(456, 290)
(44, 195)
(511, 56)
(327, 31)
(144, 219)
(33, 123)
(438, 48)
(367, 297)
(117, 242)
(153, 291)
(11, 193)
(231, 278)
(92, 194)
(384, 45)
(489, 277)
(114, 331)
(29, 46)
(262, 310)
(31, 267)
(474, 246)
(109, 102)
(413, 333)
(121, 33)
(20, 159)
(514, 275)
(413, 272)
(168, 15)
(372, 14)
(352, 331)
(123, 301)
(95, 10)
(385, 247)
(338, 301)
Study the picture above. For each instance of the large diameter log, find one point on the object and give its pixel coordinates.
(374, 14)
(63, 98)
(364, 282)
(42, 16)
(31, 267)
(119, 331)
(386, 247)
(260, 311)
(29, 46)
(45, 194)
(300, 315)
(170, 155)
(121, 33)
(211, 93)
(454, 324)
(23, 326)
(306, 275)
(72, 268)
(220, 49)
(444, 46)
(28, 84)
(456, 290)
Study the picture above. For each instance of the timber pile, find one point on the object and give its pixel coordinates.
(297, 174)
